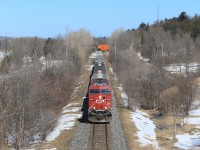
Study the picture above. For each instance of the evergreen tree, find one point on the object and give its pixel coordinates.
(183, 16)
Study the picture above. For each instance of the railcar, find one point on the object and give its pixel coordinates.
(100, 93)
(103, 47)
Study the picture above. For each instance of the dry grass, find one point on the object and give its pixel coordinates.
(165, 136)
(62, 142)
(197, 82)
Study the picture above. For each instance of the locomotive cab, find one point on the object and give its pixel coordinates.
(100, 104)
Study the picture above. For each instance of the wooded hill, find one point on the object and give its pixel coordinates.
(171, 41)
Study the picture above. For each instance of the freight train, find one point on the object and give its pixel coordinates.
(103, 47)
(100, 92)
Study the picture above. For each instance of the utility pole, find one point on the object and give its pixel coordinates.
(115, 49)
(162, 54)
(157, 14)
(174, 136)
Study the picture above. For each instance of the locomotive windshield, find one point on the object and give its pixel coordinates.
(94, 91)
(105, 91)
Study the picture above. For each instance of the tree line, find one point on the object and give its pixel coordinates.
(30, 99)
(148, 85)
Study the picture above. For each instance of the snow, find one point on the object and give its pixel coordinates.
(181, 69)
(192, 140)
(111, 70)
(27, 59)
(3, 54)
(49, 63)
(146, 129)
(66, 121)
(187, 141)
(89, 67)
(142, 58)
(71, 104)
(195, 121)
(195, 112)
(115, 76)
(93, 55)
(123, 95)
(73, 109)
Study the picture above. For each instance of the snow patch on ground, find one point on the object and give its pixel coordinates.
(124, 95)
(192, 140)
(187, 141)
(195, 112)
(111, 70)
(142, 58)
(65, 121)
(115, 76)
(49, 63)
(27, 60)
(93, 55)
(194, 121)
(146, 127)
(89, 67)
(181, 69)
(3, 54)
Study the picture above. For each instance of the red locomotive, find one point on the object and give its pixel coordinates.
(100, 93)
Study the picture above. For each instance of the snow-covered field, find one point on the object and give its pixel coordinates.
(182, 68)
(146, 129)
(66, 121)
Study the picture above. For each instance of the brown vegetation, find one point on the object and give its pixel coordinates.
(30, 99)
(145, 82)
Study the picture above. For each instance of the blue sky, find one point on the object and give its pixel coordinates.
(48, 18)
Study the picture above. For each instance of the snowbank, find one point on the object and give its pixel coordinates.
(146, 129)
(65, 121)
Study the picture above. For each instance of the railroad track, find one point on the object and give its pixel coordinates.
(100, 137)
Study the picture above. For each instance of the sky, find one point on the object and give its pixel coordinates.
(50, 18)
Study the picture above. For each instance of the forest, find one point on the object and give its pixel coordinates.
(149, 85)
(31, 96)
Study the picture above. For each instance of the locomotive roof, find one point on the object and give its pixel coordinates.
(99, 75)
